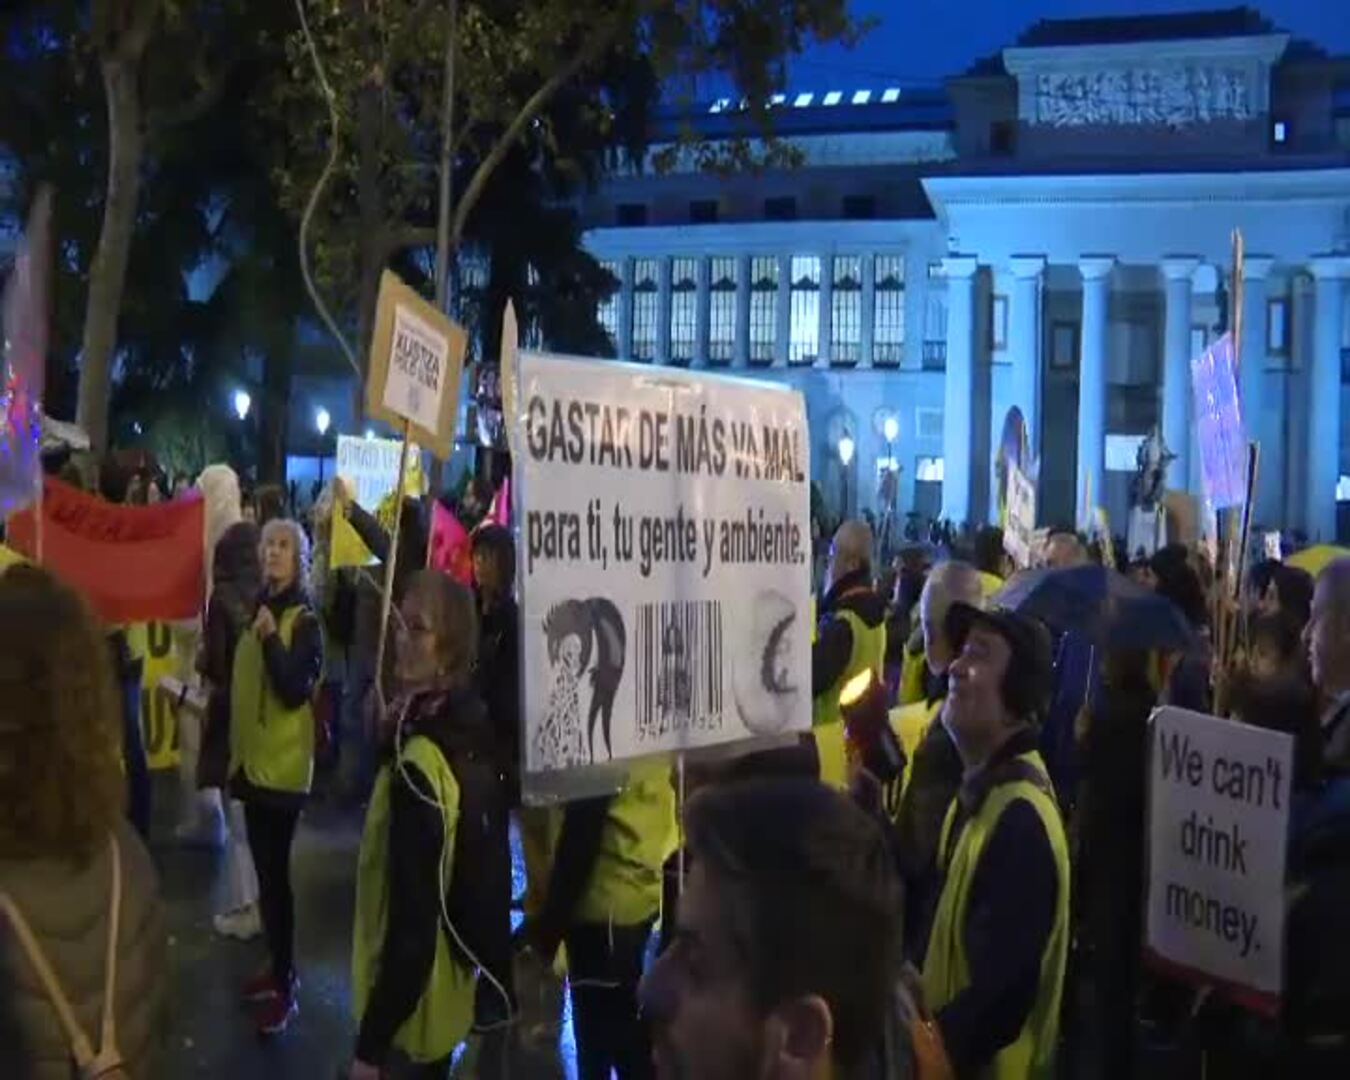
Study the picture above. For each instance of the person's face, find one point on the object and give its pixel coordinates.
(1326, 643)
(1063, 552)
(937, 649)
(279, 558)
(569, 654)
(1265, 660)
(703, 1021)
(486, 573)
(1143, 574)
(418, 659)
(974, 707)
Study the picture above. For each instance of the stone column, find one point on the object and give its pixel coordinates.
(663, 305)
(959, 383)
(1251, 388)
(1324, 396)
(1176, 389)
(702, 310)
(1096, 273)
(626, 308)
(784, 327)
(742, 354)
(867, 308)
(1024, 344)
(824, 354)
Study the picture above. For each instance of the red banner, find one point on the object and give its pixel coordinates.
(449, 549)
(133, 563)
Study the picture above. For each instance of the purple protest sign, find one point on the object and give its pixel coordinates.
(1218, 425)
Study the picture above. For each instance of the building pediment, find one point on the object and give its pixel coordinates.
(1172, 84)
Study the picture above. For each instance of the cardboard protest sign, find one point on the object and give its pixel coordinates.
(416, 359)
(370, 466)
(664, 562)
(1218, 421)
(1218, 826)
(1018, 534)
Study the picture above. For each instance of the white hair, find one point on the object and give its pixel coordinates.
(219, 485)
(299, 540)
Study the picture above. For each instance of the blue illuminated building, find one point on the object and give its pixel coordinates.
(1049, 230)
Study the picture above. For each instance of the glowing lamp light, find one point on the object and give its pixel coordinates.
(846, 448)
(242, 403)
(370, 433)
(891, 429)
(321, 421)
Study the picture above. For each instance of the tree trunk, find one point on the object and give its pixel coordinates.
(108, 271)
(370, 214)
(274, 412)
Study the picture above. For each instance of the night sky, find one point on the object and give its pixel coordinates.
(922, 41)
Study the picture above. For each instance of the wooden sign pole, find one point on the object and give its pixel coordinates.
(391, 564)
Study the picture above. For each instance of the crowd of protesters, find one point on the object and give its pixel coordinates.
(944, 877)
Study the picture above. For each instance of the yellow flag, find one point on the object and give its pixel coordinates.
(8, 557)
(347, 548)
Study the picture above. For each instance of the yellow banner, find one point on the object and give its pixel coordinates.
(8, 557)
(153, 643)
(347, 548)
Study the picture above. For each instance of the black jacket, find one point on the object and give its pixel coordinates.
(237, 578)
(834, 640)
(478, 896)
(499, 684)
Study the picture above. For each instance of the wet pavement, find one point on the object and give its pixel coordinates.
(209, 1031)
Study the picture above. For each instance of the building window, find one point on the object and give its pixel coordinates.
(1279, 132)
(1001, 138)
(722, 310)
(646, 301)
(782, 208)
(763, 308)
(998, 323)
(846, 309)
(683, 309)
(888, 320)
(1277, 326)
(804, 334)
(703, 211)
(607, 311)
(936, 271)
(630, 214)
(860, 207)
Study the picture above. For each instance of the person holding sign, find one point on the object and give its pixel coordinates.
(276, 671)
(850, 640)
(603, 897)
(433, 890)
(994, 970)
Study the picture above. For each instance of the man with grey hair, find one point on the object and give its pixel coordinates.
(1327, 639)
(935, 771)
(850, 641)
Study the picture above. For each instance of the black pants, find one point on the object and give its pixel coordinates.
(271, 828)
(605, 965)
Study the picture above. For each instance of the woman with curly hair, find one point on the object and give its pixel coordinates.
(66, 849)
(277, 664)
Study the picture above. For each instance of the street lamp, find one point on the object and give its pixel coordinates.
(890, 427)
(321, 422)
(846, 448)
(242, 403)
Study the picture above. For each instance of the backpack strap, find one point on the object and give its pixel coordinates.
(108, 1058)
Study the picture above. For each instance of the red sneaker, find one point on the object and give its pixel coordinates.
(275, 1013)
(265, 987)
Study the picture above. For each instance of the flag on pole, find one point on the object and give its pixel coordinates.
(347, 547)
(450, 549)
(499, 510)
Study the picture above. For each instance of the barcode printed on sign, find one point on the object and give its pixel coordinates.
(678, 668)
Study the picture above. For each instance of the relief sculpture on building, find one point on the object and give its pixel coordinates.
(1177, 96)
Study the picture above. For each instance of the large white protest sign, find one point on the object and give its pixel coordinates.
(1218, 823)
(665, 560)
(370, 466)
(1017, 536)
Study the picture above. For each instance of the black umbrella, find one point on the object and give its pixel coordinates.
(1103, 606)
